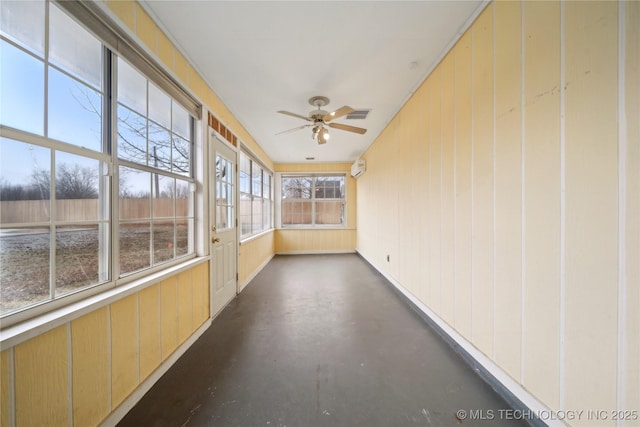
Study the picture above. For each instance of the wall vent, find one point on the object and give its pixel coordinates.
(358, 115)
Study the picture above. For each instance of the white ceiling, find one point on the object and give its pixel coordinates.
(264, 56)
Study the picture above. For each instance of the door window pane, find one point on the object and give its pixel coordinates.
(22, 94)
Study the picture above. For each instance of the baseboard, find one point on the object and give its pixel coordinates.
(326, 252)
(244, 284)
(118, 414)
(520, 399)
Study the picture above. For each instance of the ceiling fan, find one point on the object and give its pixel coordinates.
(320, 120)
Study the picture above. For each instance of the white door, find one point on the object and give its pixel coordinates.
(223, 235)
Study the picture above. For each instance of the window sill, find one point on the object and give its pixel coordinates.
(256, 236)
(16, 334)
(315, 227)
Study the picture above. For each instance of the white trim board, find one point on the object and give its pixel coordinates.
(318, 252)
(510, 390)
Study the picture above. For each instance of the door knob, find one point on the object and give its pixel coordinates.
(215, 240)
(213, 228)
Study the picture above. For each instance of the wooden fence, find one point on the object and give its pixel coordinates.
(26, 211)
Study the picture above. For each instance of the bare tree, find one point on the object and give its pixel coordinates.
(163, 151)
(76, 182)
(296, 188)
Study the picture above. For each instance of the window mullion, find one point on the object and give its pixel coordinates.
(111, 97)
(313, 201)
(52, 227)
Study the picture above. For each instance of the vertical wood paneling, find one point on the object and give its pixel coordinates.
(422, 197)
(185, 321)
(90, 374)
(542, 200)
(165, 50)
(405, 210)
(149, 306)
(631, 332)
(200, 295)
(5, 388)
(448, 194)
(168, 316)
(183, 69)
(463, 184)
(482, 177)
(435, 187)
(508, 187)
(124, 348)
(390, 244)
(352, 199)
(414, 175)
(591, 201)
(546, 187)
(145, 27)
(426, 284)
(42, 380)
(124, 10)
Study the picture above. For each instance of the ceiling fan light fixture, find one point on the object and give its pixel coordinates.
(323, 136)
(315, 132)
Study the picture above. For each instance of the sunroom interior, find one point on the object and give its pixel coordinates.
(501, 198)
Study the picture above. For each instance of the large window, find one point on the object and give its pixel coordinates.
(154, 169)
(79, 185)
(255, 197)
(313, 200)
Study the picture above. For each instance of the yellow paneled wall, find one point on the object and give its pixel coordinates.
(507, 198)
(254, 254)
(84, 369)
(91, 381)
(289, 241)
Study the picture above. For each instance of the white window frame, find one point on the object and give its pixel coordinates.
(251, 197)
(313, 176)
(85, 15)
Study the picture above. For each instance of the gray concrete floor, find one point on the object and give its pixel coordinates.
(319, 340)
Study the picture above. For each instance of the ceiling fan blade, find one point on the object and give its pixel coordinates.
(295, 115)
(342, 111)
(347, 128)
(293, 130)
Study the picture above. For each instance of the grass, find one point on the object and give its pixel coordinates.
(25, 267)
